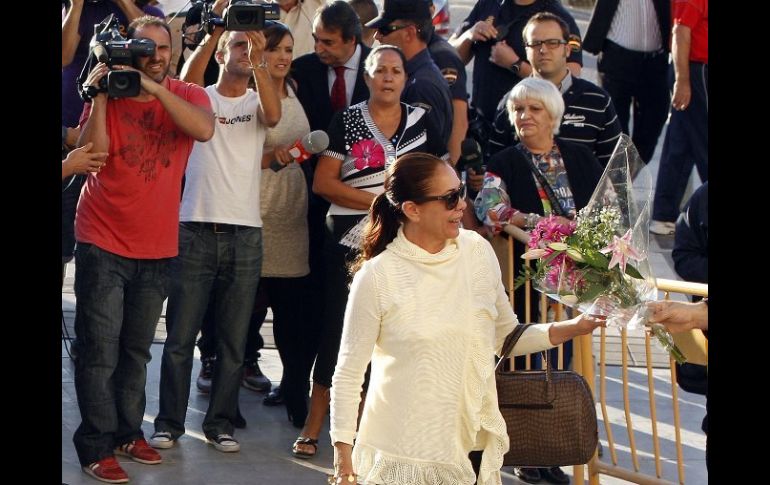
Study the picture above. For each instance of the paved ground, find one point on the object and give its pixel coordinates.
(265, 457)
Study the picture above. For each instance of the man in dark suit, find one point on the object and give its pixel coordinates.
(631, 38)
(337, 34)
(338, 48)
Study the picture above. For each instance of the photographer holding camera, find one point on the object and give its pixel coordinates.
(126, 228)
(77, 30)
(220, 230)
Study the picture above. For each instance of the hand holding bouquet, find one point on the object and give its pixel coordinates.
(599, 263)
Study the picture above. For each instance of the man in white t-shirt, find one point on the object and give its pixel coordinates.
(220, 236)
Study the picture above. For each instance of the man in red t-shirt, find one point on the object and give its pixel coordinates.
(126, 231)
(686, 143)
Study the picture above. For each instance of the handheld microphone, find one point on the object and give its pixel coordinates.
(471, 157)
(307, 146)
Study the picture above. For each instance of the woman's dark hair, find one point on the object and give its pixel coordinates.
(407, 179)
(274, 34)
(369, 62)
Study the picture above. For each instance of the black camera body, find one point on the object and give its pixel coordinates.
(109, 47)
(247, 15)
(240, 15)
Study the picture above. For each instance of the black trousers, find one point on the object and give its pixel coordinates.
(207, 343)
(336, 287)
(475, 457)
(638, 79)
(685, 145)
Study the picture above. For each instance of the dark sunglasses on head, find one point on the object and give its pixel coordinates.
(451, 199)
(388, 29)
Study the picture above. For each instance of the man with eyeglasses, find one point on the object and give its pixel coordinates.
(407, 24)
(589, 115)
(492, 35)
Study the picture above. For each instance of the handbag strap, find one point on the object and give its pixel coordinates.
(555, 205)
(512, 339)
(510, 343)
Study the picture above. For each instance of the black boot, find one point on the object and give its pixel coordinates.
(554, 475)
(274, 398)
(529, 475)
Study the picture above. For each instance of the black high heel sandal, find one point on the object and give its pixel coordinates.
(298, 421)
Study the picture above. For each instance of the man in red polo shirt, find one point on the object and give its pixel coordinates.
(686, 142)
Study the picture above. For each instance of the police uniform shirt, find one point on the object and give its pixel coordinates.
(451, 66)
(427, 89)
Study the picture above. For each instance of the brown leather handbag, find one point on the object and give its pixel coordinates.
(550, 414)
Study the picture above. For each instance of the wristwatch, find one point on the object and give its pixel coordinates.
(516, 66)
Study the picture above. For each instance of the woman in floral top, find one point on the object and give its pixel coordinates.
(364, 140)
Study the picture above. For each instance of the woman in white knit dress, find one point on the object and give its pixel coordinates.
(427, 307)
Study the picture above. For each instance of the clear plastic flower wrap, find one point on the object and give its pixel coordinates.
(599, 263)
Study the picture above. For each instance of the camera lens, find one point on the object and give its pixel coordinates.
(121, 82)
(245, 17)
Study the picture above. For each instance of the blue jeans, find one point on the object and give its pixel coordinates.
(119, 302)
(226, 267)
(686, 144)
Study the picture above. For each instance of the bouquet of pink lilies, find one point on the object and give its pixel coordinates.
(599, 262)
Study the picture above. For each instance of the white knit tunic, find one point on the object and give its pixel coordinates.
(431, 324)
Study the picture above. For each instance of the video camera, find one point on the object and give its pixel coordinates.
(111, 48)
(240, 15)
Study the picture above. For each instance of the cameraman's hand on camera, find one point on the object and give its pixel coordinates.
(257, 44)
(94, 77)
(219, 7)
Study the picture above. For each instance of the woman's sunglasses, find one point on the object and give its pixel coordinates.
(451, 199)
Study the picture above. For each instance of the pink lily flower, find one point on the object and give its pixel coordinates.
(622, 250)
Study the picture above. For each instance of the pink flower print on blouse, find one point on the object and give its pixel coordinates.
(368, 153)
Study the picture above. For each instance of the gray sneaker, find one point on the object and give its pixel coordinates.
(662, 228)
(253, 378)
(225, 443)
(161, 440)
(204, 377)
